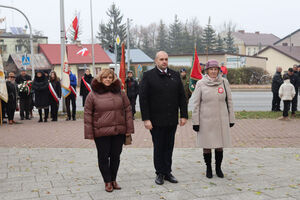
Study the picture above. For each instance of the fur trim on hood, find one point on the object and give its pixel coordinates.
(100, 88)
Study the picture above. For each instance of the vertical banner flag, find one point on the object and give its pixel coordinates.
(75, 25)
(196, 73)
(3, 89)
(122, 74)
(65, 82)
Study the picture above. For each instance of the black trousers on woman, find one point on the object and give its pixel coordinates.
(54, 110)
(109, 149)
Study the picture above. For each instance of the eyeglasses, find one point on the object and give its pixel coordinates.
(11, 77)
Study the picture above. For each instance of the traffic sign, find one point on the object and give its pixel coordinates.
(25, 60)
(118, 40)
(140, 68)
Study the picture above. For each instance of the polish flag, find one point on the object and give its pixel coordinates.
(83, 52)
(75, 25)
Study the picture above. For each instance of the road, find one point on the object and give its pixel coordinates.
(242, 100)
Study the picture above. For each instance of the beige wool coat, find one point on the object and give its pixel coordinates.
(211, 113)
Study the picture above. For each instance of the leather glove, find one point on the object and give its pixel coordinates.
(196, 128)
(231, 125)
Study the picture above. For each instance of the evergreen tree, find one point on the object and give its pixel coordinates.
(188, 41)
(108, 32)
(175, 36)
(209, 38)
(146, 45)
(229, 41)
(220, 44)
(162, 37)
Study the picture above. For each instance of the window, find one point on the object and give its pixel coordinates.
(249, 51)
(18, 48)
(3, 48)
(285, 44)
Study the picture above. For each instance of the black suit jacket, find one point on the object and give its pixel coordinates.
(161, 95)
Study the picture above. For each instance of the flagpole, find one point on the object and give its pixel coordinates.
(92, 35)
(62, 44)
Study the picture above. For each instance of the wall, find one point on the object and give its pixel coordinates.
(276, 59)
(295, 40)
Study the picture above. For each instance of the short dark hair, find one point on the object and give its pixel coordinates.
(290, 70)
(286, 76)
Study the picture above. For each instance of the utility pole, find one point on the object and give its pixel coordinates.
(31, 38)
(62, 45)
(128, 45)
(92, 35)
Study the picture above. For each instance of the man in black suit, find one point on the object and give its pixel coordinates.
(161, 94)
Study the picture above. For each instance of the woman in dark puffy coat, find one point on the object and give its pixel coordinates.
(41, 94)
(107, 119)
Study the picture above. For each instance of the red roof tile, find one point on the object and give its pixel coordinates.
(52, 53)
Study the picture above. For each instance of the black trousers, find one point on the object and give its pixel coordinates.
(54, 109)
(71, 98)
(295, 102)
(163, 143)
(132, 103)
(109, 149)
(10, 112)
(286, 107)
(25, 104)
(276, 102)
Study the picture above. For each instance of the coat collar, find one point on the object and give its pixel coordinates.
(100, 88)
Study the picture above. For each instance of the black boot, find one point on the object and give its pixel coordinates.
(46, 115)
(207, 159)
(219, 158)
(40, 114)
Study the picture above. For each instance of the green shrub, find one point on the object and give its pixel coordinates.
(246, 75)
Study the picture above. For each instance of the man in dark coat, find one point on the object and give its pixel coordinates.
(11, 104)
(161, 95)
(276, 83)
(85, 85)
(25, 98)
(132, 89)
(294, 80)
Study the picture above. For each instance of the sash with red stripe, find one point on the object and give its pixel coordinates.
(87, 85)
(53, 93)
(73, 91)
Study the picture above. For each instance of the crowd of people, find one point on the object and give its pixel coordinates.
(43, 93)
(286, 88)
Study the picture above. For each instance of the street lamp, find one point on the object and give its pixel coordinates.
(30, 28)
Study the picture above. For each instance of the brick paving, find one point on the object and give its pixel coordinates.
(62, 134)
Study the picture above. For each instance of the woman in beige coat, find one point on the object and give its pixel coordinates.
(213, 115)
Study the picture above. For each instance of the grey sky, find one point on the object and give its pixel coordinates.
(267, 16)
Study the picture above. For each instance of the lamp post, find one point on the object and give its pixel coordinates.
(30, 29)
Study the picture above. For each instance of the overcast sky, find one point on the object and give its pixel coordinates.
(267, 16)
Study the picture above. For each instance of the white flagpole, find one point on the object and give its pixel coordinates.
(92, 35)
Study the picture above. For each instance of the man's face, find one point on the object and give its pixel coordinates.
(290, 73)
(23, 73)
(295, 68)
(129, 75)
(11, 77)
(279, 69)
(298, 69)
(183, 74)
(162, 60)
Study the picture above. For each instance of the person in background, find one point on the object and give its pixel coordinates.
(11, 105)
(72, 97)
(85, 85)
(132, 90)
(276, 83)
(107, 119)
(224, 70)
(40, 86)
(213, 115)
(25, 97)
(55, 91)
(185, 82)
(286, 93)
(295, 69)
(161, 97)
(294, 80)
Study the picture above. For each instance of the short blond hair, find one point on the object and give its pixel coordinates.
(105, 73)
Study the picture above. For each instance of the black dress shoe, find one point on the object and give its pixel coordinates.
(171, 178)
(159, 180)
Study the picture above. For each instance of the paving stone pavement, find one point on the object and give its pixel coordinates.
(72, 174)
(62, 134)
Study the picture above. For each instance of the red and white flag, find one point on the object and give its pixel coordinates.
(83, 52)
(75, 25)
